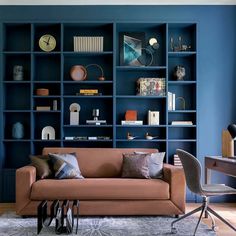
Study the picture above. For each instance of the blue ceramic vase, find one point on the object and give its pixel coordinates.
(17, 130)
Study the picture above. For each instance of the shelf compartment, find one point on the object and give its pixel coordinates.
(188, 146)
(186, 31)
(180, 83)
(16, 154)
(140, 97)
(182, 133)
(11, 60)
(140, 68)
(39, 145)
(44, 101)
(187, 92)
(141, 106)
(42, 119)
(189, 63)
(140, 132)
(129, 79)
(182, 116)
(87, 126)
(140, 126)
(106, 89)
(41, 29)
(92, 54)
(47, 67)
(93, 72)
(17, 96)
(161, 145)
(10, 120)
(105, 107)
(54, 89)
(150, 30)
(17, 37)
(82, 132)
(88, 29)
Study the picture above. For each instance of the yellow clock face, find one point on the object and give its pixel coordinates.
(47, 43)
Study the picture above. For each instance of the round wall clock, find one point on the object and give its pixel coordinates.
(47, 43)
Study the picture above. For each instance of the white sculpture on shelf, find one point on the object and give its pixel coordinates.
(74, 113)
(48, 133)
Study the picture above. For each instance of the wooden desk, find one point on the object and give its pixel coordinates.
(221, 164)
(218, 163)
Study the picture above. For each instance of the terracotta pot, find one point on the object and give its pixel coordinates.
(42, 92)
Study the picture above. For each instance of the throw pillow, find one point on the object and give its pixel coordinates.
(155, 164)
(41, 163)
(135, 166)
(65, 166)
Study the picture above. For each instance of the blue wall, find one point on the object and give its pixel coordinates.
(216, 58)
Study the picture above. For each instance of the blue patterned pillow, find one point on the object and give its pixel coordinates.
(63, 169)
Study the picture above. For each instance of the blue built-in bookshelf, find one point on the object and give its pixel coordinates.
(52, 70)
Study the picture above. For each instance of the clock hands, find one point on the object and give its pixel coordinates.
(48, 39)
(47, 42)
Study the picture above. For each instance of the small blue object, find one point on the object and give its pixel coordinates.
(17, 130)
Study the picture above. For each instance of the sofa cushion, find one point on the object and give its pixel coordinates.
(155, 164)
(41, 163)
(100, 189)
(63, 169)
(63, 159)
(135, 166)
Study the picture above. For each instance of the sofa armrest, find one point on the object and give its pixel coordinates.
(176, 179)
(25, 177)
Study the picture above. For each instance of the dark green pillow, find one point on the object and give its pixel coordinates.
(41, 163)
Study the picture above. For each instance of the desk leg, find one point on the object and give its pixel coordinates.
(207, 181)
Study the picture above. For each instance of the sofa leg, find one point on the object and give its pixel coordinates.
(176, 216)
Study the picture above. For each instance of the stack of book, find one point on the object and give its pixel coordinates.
(88, 44)
(96, 122)
(132, 122)
(182, 122)
(88, 92)
(177, 161)
(171, 101)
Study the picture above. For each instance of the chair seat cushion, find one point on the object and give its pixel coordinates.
(100, 189)
(217, 189)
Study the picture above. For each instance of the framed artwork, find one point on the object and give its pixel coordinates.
(130, 45)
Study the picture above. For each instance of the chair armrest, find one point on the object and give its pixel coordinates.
(25, 177)
(176, 179)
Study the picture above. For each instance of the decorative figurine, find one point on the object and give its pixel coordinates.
(179, 72)
(95, 114)
(18, 72)
(130, 137)
(150, 137)
(18, 130)
(48, 133)
(74, 114)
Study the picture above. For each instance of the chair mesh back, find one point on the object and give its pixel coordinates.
(192, 171)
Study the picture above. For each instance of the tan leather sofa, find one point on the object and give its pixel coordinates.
(103, 192)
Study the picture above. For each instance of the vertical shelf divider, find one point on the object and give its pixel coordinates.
(31, 88)
(114, 84)
(61, 102)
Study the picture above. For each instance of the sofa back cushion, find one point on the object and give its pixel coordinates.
(98, 162)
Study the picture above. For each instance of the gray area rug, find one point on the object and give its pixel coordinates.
(10, 225)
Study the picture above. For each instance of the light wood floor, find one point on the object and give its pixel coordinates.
(226, 210)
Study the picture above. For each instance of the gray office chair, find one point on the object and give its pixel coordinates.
(192, 171)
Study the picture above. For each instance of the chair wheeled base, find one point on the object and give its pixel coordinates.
(204, 208)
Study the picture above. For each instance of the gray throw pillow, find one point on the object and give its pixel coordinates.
(155, 164)
(135, 166)
(65, 166)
